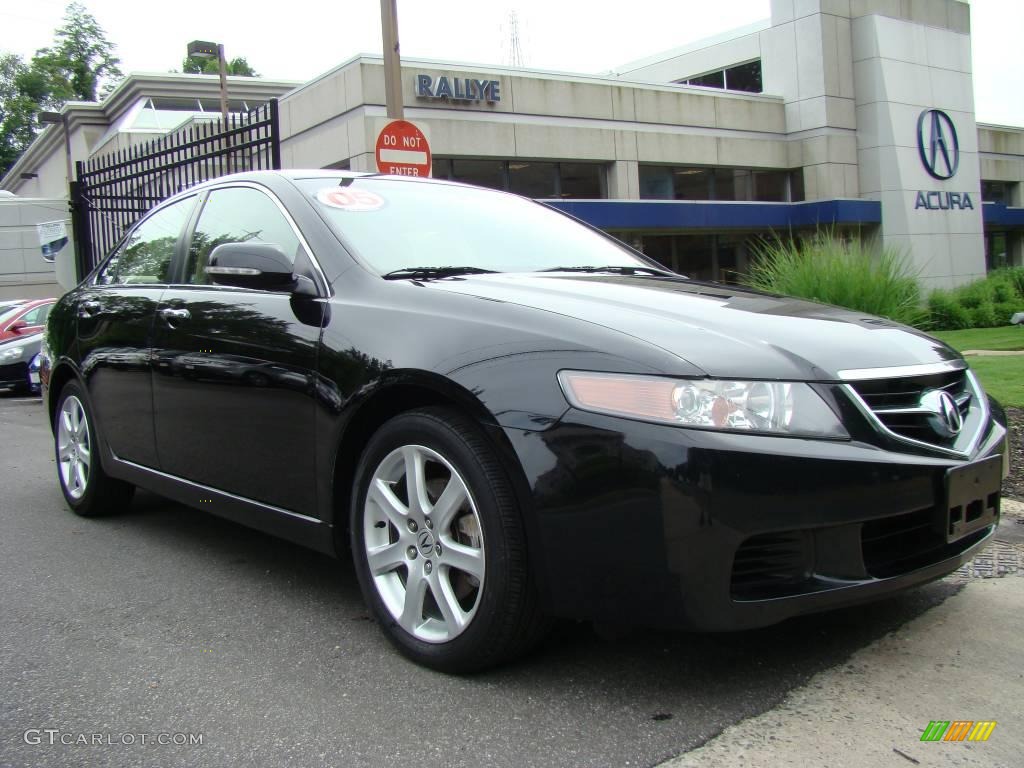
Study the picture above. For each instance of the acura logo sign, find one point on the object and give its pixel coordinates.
(937, 144)
(943, 413)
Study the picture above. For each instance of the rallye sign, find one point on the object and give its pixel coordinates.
(458, 88)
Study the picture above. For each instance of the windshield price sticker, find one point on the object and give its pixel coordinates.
(348, 199)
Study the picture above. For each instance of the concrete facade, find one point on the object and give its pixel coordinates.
(844, 88)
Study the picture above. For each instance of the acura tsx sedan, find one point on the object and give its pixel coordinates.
(505, 416)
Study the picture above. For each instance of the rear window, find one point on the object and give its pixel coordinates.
(393, 224)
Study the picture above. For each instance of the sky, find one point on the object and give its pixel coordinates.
(563, 35)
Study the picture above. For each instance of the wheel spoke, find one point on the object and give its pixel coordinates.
(65, 417)
(415, 479)
(64, 450)
(84, 456)
(385, 499)
(450, 501)
(445, 598)
(466, 559)
(415, 592)
(80, 475)
(386, 558)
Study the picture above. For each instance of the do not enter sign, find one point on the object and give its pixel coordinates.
(403, 150)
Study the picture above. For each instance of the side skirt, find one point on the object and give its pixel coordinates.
(307, 531)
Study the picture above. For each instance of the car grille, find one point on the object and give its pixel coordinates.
(895, 403)
(893, 545)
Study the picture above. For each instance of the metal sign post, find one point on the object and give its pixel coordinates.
(392, 59)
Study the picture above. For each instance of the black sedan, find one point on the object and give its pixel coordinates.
(16, 356)
(505, 416)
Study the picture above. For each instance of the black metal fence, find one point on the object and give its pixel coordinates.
(114, 190)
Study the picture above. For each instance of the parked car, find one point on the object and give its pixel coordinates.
(24, 318)
(15, 357)
(510, 416)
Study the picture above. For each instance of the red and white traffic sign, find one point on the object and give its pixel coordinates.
(403, 150)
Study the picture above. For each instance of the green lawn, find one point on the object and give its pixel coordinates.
(1005, 337)
(1002, 377)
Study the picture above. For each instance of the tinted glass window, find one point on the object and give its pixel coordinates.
(145, 256)
(581, 180)
(394, 224)
(744, 77)
(38, 315)
(532, 179)
(238, 215)
(710, 80)
(483, 173)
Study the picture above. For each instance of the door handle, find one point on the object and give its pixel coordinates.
(171, 315)
(88, 309)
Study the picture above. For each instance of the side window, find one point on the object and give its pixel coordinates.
(145, 256)
(38, 315)
(237, 215)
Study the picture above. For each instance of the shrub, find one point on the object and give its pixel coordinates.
(985, 303)
(946, 313)
(831, 270)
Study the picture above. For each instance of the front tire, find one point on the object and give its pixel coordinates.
(438, 544)
(87, 489)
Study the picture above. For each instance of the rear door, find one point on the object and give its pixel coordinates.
(234, 390)
(115, 322)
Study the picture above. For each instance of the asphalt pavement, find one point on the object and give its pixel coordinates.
(168, 625)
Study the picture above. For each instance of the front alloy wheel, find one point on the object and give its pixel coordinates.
(439, 546)
(423, 543)
(74, 447)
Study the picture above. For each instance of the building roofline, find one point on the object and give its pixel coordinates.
(697, 45)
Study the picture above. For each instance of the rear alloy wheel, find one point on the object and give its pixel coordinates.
(87, 489)
(438, 544)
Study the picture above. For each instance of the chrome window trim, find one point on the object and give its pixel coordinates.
(977, 394)
(901, 371)
(204, 193)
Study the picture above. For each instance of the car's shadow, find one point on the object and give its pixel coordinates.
(576, 654)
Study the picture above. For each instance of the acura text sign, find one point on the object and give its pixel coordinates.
(403, 150)
(939, 150)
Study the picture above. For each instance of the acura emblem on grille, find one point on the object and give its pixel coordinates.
(944, 415)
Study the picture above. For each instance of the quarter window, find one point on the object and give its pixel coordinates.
(145, 255)
(238, 215)
(38, 315)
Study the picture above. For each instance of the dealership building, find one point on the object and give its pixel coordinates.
(852, 114)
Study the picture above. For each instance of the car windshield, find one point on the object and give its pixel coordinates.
(397, 225)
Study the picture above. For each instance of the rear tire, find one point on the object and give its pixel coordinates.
(434, 511)
(87, 489)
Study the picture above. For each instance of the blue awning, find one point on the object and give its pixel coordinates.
(1002, 215)
(717, 215)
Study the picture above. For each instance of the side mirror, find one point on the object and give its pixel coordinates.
(262, 266)
(18, 327)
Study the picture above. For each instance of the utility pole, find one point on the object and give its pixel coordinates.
(392, 59)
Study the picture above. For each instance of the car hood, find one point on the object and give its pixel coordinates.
(723, 330)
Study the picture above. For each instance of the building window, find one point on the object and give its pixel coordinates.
(527, 177)
(722, 258)
(996, 252)
(995, 192)
(659, 182)
(744, 77)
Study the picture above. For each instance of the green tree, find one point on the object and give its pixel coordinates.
(237, 66)
(79, 65)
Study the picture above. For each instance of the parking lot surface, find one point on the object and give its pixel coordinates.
(167, 621)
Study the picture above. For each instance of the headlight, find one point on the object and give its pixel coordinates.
(12, 354)
(780, 408)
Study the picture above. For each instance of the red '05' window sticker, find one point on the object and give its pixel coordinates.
(348, 199)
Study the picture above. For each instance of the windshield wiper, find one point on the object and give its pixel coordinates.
(618, 270)
(407, 273)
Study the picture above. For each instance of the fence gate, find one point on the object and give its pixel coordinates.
(113, 191)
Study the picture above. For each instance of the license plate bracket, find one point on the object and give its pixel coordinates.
(972, 496)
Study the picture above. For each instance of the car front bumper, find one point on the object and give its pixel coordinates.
(657, 525)
(14, 375)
